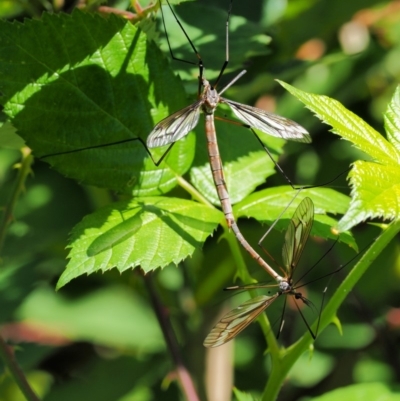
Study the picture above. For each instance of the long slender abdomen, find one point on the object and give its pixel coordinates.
(216, 170)
(223, 195)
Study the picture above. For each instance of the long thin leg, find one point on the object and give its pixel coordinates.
(314, 336)
(282, 320)
(330, 275)
(320, 311)
(156, 162)
(314, 265)
(226, 45)
(277, 219)
(294, 186)
(341, 267)
(200, 62)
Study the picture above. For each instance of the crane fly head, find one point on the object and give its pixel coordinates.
(210, 97)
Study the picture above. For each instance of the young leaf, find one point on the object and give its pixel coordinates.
(151, 232)
(374, 184)
(357, 392)
(77, 81)
(241, 396)
(9, 138)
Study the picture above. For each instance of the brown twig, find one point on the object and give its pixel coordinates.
(182, 373)
(8, 357)
(141, 12)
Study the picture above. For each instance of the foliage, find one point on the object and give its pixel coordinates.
(71, 83)
(375, 187)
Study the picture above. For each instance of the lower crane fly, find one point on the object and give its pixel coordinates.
(180, 123)
(239, 318)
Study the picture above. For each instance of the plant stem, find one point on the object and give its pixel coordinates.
(24, 168)
(182, 373)
(192, 191)
(8, 357)
(291, 355)
(6, 352)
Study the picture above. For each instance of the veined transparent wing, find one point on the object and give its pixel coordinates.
(237, 320)
(175, 126)
(268, 123)
(297, 234)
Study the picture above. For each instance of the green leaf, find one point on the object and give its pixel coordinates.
(375, 189)
(9, 138)
(352, 336)
(375, 193)
(360, 392)
(241, 396)
(112, 316)
(392, 120)
(268, 204)
(77, 81)
(150, 232)
(311, 369)
(348, 125)
(9, 9)
(370, 370)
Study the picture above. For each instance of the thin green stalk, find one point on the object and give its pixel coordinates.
(24, 168)
(6, 352)
(189, 188)
(7, 355)
(290, 355)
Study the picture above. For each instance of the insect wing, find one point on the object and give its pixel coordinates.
(237, 320)
(268, 123)
(175, 126)
(297, 234)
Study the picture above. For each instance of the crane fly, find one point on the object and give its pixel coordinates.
(180, 123)
(239, 318)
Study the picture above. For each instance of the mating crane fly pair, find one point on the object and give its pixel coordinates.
(179, 124)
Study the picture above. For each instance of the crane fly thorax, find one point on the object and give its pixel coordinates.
(285, 286)
(209, 97)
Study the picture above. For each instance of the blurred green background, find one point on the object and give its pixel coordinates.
(98, 338)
